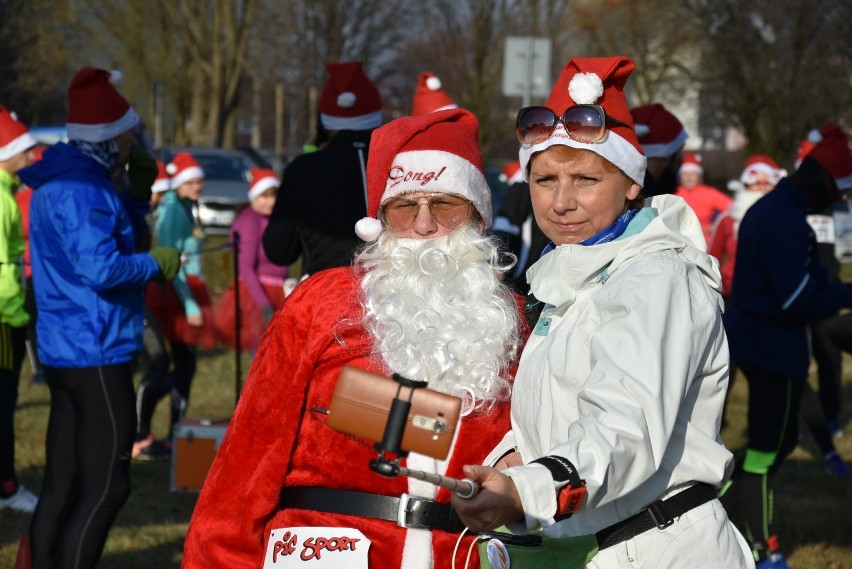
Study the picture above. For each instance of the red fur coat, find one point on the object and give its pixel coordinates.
(276, 440)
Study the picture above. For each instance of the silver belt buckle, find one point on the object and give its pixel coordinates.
(403, 510)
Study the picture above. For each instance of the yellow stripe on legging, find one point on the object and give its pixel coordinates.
(5, 347)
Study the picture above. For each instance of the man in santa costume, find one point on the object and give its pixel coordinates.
(424, 299)
(707, 202)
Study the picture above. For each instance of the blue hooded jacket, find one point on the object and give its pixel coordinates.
(88, 280)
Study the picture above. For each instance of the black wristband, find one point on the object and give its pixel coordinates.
(561, 470)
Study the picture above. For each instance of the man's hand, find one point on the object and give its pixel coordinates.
(141, 173)
(496, 504)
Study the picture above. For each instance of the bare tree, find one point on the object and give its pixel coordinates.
(196, 49)
(33, 64)
(777, 69)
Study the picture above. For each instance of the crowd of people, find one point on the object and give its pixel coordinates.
(591, 327)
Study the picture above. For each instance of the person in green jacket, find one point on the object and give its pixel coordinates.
(17, 151)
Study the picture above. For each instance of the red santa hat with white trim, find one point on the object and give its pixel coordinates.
(183, 168)
(15, 137)
(692, 162)
(161, 184)
(430, 95)
(831, 149)
(437, 152)
(761, 164)
(262, 179)
(349, 100)
(660, 133)
(600, 81)
(96, 110)
(511, 173)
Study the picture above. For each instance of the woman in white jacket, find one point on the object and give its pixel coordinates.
(617, 403)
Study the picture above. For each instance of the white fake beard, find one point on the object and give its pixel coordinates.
(743, 200)
(438, 312)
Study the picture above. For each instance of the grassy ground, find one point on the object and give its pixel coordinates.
(812, 506)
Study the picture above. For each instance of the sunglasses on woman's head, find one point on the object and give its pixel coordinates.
(583, 123)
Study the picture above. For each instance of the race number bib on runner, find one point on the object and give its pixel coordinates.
(316, 547)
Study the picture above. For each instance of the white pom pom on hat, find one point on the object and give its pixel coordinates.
(116, 78)
(433, 83)
(368, 228)
(346, 100)
(585, 88)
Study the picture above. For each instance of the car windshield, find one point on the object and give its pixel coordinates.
(222, 167)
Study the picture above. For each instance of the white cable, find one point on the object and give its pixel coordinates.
(456, 549)
(470, 550)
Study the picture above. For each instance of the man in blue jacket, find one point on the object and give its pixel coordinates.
(779, 289)
(88, 290)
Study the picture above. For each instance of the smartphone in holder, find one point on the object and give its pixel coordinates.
(361, 405)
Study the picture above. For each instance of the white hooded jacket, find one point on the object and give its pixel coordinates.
(625, 373)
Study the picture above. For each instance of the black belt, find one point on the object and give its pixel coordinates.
(660, 514)
(418, 513)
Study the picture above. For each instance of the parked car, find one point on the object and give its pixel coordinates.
(226, 180)
(49, 135)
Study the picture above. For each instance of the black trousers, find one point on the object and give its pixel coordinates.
(773, 431)
(12, 349)
(87, 473)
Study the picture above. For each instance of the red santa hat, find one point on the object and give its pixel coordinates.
(15, 137)
(512, 173)
(761, 163)
(595, 80)
(183, 168)
(438, 152)
(349, 100)
(831, 150)
(161, 184)
(261, 180)
(692, 162)
(430, 96)
(660, 133)
(96, 110)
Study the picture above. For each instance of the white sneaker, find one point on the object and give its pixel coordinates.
(22, 501)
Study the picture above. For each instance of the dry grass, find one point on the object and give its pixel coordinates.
(812, 507)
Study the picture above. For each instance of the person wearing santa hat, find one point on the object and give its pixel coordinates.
(662, 137)
(707, 202)
(780, 287)
(430, 96)
(303, 224)
(88, 286)
(182, 307)
(423, 299)
(618, 396)
(515, 225)
(759, 176)
(17, 150)
(261, 286)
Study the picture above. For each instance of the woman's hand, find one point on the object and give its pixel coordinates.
(496, 504)
(196, 320)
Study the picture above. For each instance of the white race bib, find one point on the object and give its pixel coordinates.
(316, 547)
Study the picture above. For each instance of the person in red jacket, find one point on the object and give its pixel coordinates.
(707, 202)
(424, 299)
(759, 177)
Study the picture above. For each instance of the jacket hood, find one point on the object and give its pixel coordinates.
(665, 223)
(59, 160)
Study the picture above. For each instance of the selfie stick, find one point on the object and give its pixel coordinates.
(466, 488)
(392, 440)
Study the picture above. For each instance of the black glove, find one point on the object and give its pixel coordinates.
(268, 313)
(168, 259)
(141, 173)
